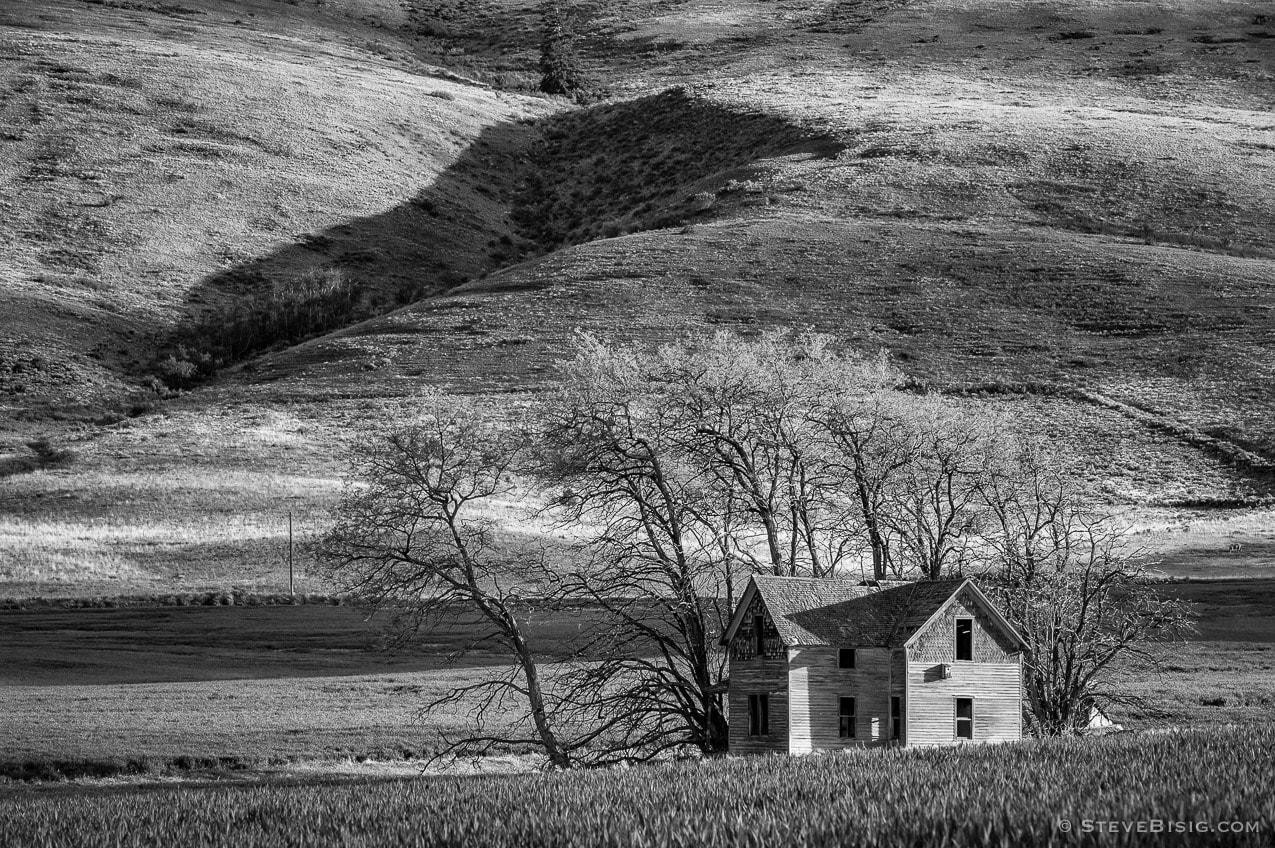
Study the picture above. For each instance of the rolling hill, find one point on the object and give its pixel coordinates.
(1061, 210)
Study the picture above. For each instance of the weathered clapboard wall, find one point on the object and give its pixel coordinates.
(816, 685)
(931, 703)
(754, 675)
(993, 679)
(899, 687)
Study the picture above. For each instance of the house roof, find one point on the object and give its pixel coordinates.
(839, 611)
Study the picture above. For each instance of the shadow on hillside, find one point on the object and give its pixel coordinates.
(520, 189)
(646, 164)
(443, 236)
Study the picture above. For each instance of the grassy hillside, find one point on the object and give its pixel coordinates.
(1063, 211)
(162, 161)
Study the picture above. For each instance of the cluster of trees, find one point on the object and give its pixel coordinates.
(283, 313)
(675, 474)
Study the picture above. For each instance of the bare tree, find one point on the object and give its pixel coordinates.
(934, 510)
(410, 539)
(870, 449)
(689, 468)
(651, 558)
(1069, 582)
(745, 418)
(1036, 520)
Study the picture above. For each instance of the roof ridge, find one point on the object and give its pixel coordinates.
(803, 577)
(912, 588)
(842, 610)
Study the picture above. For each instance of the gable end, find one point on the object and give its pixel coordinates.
(935, 642)
(743, 642)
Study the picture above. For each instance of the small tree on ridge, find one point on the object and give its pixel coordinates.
(559, 63)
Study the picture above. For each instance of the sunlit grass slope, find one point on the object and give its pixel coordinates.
(153, 152)
(1075, 200)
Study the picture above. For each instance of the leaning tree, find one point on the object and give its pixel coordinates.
(414, 537)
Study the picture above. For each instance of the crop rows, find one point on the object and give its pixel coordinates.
(998, 796)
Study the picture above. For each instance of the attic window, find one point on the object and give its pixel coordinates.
(965, 639)
(845, 658)
(759, 635)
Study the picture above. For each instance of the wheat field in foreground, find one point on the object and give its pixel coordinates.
(1214, 782)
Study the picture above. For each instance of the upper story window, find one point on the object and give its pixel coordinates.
(965, 639)
(845, 658)
(759, 635)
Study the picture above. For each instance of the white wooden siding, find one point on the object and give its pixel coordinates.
(931, 703)
(993, 679)
(816, 686)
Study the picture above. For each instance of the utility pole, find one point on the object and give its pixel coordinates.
(291, 588)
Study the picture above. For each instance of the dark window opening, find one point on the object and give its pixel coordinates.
(846, 725)
(965, 638)
(759, 636)
(758, 715)
(896, 717)
(845, 658)
(964, 718)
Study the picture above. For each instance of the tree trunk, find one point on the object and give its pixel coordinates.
(536, 700)
(717, 738)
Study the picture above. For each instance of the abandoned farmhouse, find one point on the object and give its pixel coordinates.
(823, 664)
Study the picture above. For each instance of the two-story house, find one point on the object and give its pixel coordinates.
(822, 664)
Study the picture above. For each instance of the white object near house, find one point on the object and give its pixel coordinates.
(1100, 722)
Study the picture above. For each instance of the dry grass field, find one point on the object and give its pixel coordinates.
(253, 691)
(230, 688)
(1016, 200)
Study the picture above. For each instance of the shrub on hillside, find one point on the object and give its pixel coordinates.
(46, 455)
(560, 71)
